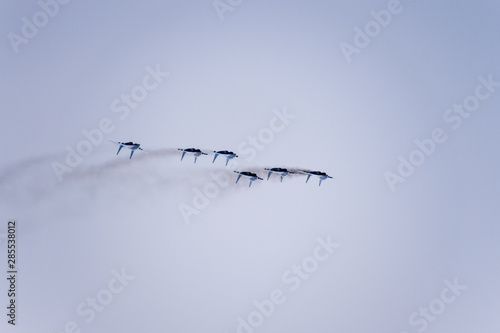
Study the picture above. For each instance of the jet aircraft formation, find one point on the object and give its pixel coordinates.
(229, 155)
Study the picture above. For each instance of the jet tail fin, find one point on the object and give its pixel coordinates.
(308, 176)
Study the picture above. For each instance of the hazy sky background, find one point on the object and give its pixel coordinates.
(227, 79)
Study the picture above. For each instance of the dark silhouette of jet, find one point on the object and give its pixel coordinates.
(284, 172)
(194, 151)
(253, 177)
(229, 155)
(321, 175)
(130, 145)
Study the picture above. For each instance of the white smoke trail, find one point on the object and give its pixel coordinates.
(32, 180)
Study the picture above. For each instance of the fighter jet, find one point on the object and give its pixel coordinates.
(194, 151)
(130, 145)
(229, 155)
(284, 172)
(250, 175)
(321, 175)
